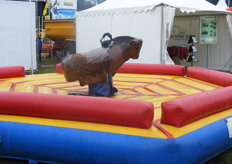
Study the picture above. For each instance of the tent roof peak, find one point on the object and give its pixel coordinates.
(128, 6)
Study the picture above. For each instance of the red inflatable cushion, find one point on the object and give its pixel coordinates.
(78, 108)
(211, 76)
(159, 69)
(59, 68)
(184, 110)
(12, 71)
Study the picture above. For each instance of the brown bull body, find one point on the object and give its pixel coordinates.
(93, 66)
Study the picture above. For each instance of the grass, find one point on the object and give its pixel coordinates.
(49, 61)
(48, 66)
(17, 161)
(12, 161)
(223, 158)
(50, 69)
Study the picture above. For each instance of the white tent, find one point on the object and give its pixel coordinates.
(222, 4)
(17, 33)
(150, 20)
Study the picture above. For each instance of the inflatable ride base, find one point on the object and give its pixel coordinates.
(159, 115)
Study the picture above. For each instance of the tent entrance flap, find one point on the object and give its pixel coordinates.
(168, 14)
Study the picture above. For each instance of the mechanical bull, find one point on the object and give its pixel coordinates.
(93, 66)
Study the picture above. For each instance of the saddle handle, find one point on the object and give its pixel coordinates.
(106, 43)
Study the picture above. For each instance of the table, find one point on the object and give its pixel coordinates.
(178, 51)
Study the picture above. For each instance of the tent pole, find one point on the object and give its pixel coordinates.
(37, 34)
(32, 71)
(42, 28)
(161, 35)
(207, 57)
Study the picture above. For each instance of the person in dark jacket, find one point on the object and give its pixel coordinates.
(40, 49)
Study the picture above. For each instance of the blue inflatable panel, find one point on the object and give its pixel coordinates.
(68, 145)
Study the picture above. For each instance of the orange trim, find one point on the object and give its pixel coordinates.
(229, 9)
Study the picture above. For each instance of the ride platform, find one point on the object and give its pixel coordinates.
(161, 114)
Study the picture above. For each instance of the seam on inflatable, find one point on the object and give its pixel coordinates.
(169, 135)
(170, 89)
(12, 87)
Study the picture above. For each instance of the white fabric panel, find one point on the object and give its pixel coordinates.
(17, 30)
(218, 54)
(221, 52)
(90, 30)
(229, 21)
(145, 25)
(168, 18)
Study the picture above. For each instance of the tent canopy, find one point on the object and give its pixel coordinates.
(150, 20)
(144, 5)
